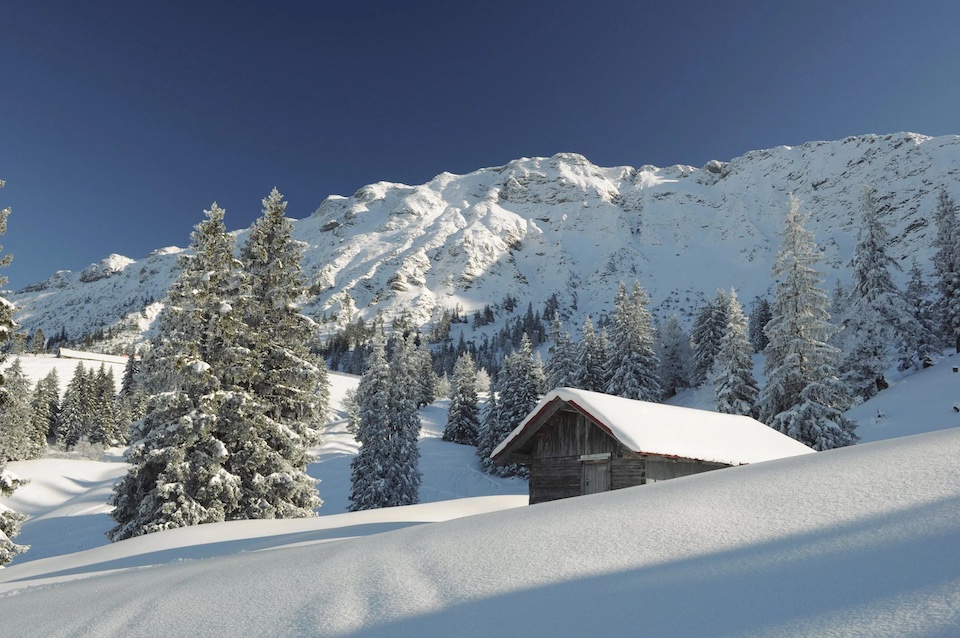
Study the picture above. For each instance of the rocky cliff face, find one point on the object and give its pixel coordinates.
(559, 225)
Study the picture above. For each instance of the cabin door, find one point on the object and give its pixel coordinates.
(596, 477)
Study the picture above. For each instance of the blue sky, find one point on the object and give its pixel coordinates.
(123, 121)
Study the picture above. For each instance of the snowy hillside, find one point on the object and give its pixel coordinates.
(826, 544)
(539, 226)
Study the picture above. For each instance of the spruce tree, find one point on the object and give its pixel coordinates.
(38, 341)
(590, 372)
(632, 363)
(16, 432)
(946, 263)
(385, 472)
(709, 327)
(75, 410)
(208, 448)
(561, 368)
(291, 380)
(877, 316)
(9, 519)
(463, 418)
(923, 342)
(736, 388)
(519, 386)
(675, 356)
(760, 315)
(44, 406)
(802, 396)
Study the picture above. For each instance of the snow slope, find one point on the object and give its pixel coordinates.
(826, 544)
(559, 225)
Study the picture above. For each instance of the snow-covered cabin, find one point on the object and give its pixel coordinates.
(578, 442)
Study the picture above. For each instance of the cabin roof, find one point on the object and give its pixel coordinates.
(662, 430)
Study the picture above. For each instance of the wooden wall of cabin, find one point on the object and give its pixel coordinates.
(556, 469)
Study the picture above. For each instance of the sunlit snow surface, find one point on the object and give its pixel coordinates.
(860, 541)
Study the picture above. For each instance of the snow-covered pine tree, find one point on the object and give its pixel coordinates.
(370, 488)
(709, 326)
(488, 424)
(760, 314)
(463, 417)
(133, 401)
(519, 386)
(590, 373)
(75, 411)
(946, 265)
(9, 519)
(199, 415)
(675, 356)
(38, 341)
(104, 425)
(802, 397)
(877, 315)
(291, 380)
(427, 381)
(632, 363)
(736, 388)
(924, 342)
(16, 433)
(561, 368)
(44, 408)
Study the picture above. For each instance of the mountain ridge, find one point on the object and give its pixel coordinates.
(559, 225)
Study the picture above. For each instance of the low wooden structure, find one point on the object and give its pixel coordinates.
(577, 442)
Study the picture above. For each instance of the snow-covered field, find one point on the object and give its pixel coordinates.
(859, 541)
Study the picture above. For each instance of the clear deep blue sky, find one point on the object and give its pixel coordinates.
(120, 122)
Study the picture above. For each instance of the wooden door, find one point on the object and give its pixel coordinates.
(596, 477)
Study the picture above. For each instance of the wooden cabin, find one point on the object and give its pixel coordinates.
(577, 442)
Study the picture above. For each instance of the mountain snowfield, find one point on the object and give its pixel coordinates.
(856, 541)
(559, 225)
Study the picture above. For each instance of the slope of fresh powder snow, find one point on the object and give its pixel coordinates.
(828, 544)
(667, 430)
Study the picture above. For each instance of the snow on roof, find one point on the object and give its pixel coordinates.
(66, 353)
(667, 430)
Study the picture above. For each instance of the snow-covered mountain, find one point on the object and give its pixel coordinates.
(559, 225)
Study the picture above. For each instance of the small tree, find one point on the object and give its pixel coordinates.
(946, 264)
(561, 368)
(675, 356)
(519, 386)
(736, 387)
(44, 409)
(76, 409)
(760, 315)
(590, 373)
(463, 418)
(632, 363)
(709, 327)
(922, 343)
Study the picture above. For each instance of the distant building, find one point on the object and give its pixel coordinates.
(577, 442)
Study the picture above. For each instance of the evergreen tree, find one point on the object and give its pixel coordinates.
(946, 263)
(38, 342)
(385, 471)
(759, 317)
(877, 315)
(561, 370)
(427, 381)
(632, 363)
(104, 424)
(76, 410)
(463, 422)
(9, 519)
(709, 327)
(519, 386)
(802, 396)
(591, 355)
(923, 342)
(675, 356)
(291, 381)
(133, 401)
(207, 449)
(736, 387)
(44, 407)
(16, 433)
